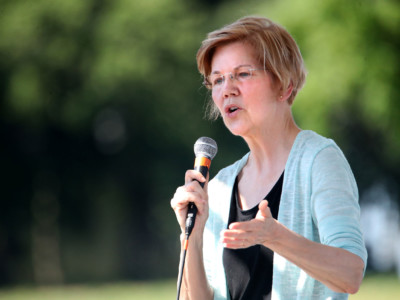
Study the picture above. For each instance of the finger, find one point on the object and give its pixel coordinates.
(233, 233)
(236, 238)
(192, 175)
(264, 210)
(240, 245)
(191, 187)
(184, 195)
(187, 194)
(234, 243)
(205, 188)
(242, 226)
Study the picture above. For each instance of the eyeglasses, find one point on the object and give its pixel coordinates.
(242, 74)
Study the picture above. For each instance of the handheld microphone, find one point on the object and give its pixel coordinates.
(205, 150)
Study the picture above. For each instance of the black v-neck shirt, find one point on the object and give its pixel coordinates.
(249, 271)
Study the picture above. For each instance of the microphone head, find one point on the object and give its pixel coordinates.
(205, 146)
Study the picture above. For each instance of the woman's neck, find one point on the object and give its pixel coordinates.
(270, 149)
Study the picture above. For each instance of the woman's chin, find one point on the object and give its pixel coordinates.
(235, 129)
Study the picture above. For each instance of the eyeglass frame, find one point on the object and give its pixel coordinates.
(233, 76)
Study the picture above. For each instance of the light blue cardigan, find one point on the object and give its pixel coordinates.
(319, 201)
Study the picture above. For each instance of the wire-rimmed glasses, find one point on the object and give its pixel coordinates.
(241, 74)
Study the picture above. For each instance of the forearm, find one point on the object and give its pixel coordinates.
(339, 269)
(194, 282)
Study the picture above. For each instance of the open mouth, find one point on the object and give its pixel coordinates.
(232, 109)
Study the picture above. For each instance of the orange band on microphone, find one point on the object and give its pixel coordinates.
(186, 244)
(202, 161)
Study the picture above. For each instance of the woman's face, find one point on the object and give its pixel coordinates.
(247, 103)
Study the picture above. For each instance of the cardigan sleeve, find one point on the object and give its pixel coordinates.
(334, 200)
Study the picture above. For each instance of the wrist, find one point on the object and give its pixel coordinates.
(275, 234)
(195, 241)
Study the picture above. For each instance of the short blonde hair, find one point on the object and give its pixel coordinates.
(275, 49)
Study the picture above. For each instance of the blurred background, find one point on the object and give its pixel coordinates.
(101, 103)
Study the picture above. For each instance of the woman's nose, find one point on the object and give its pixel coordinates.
(230, 88)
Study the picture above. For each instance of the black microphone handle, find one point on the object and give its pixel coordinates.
(203, 170)
(192, 210)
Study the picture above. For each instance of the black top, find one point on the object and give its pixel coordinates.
(249, 271)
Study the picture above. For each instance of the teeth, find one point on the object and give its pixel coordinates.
(232, 109)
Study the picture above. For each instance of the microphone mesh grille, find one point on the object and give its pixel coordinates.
(205, 146)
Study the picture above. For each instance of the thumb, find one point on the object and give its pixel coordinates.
(263, 209)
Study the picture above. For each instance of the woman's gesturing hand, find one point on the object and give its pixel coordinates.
(191, 192)
(250, 233)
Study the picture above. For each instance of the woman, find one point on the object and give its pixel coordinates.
(282, 222)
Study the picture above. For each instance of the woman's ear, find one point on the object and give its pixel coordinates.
(285, 94)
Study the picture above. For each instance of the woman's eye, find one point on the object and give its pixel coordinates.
(243, 74)
(218, 80)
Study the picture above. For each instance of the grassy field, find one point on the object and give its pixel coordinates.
(382, 287)
(120, 291)
(379, 287)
